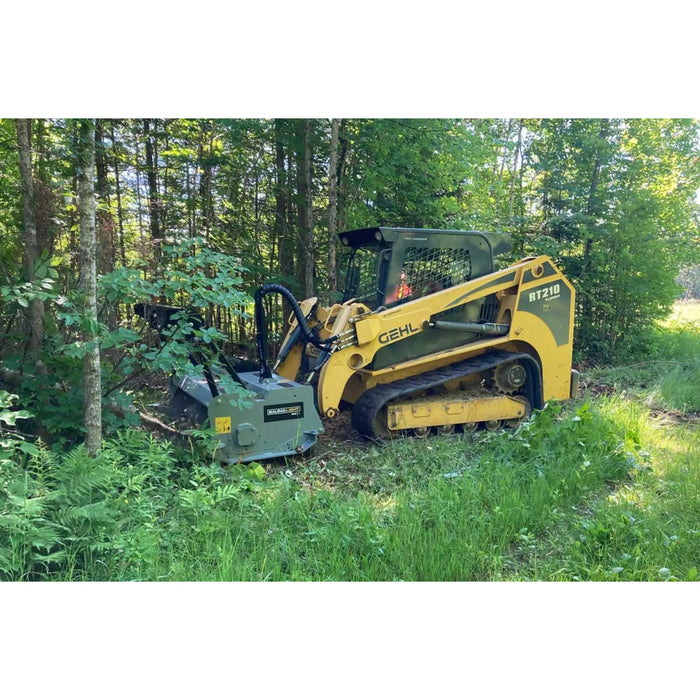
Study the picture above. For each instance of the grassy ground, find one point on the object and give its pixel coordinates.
(604, 487)
(685, 312)
(602, 490)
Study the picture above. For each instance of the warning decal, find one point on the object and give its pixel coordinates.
(222, 424)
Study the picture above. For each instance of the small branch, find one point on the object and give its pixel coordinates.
(153, 422)
(641, 364)
(121, 383)
(147, 419)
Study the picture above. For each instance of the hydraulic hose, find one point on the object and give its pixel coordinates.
(261, 326)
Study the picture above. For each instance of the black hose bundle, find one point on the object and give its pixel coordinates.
(261, 326)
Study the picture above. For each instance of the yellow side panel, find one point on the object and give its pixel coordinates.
(452, 410)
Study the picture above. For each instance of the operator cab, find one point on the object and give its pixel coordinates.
(390, 266)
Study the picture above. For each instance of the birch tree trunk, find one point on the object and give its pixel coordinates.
(35, 325)
(92, 385)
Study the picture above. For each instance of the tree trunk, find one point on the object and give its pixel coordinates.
(105, 223)
(139, 204)
(333, 208)
(36, 306)
(344, 144)
(504, 135)
(92, 385)
(519, 145)
(285, 245)
(205, 150)
(118, 193)
(305, 208)
(153, 200)
(44, 196)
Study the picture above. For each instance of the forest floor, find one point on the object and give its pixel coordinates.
(604, 487)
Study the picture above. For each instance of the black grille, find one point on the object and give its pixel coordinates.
(428, 270)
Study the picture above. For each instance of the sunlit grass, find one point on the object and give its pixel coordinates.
(669, 377)
(678, 389)
(685, 312)
(471, 509)
(647, 528)
(606, 487)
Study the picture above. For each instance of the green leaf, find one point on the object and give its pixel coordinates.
(11, 417)
(29, 448)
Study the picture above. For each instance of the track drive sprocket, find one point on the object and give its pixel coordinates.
(509, 377)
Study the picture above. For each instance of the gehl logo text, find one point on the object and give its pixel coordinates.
(396, 333)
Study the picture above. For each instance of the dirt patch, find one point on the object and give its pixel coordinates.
(595, 388)
(664, 417)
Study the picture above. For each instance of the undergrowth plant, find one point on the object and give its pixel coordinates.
(74, 516)
(116, 516)
(192, 276)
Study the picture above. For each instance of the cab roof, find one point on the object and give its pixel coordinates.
(363, 237)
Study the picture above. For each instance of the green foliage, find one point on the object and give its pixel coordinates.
(646, 529)
(13, 444)
(612, 200)
(668, 375)
(618, 198)
(116, 516)
(195, 277)
(75, 516)
(41, 286)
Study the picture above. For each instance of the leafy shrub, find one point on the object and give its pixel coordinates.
(73, 516)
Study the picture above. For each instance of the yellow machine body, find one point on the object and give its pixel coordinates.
(395, 345)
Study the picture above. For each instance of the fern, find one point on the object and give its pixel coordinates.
(78, 477)
(114, 516)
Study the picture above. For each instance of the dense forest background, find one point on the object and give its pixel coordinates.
(201, 211)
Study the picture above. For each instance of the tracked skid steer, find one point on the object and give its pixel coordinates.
(429, 337)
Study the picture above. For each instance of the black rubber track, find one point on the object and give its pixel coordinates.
(372, 401)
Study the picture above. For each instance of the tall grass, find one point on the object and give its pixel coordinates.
(602, 488)
(459, 513)
(646, 528)
(667, 377)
